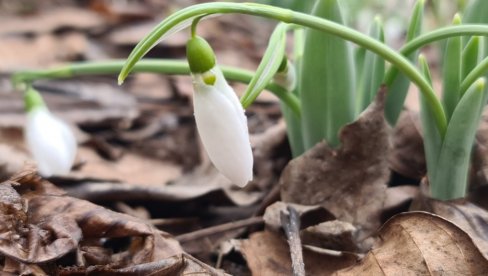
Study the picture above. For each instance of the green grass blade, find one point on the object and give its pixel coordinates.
(399, 87)
(432, 138)
(451, 72)
(373, 70)
(470, 55)
(272, 58)
(327, 81)
(450, 179)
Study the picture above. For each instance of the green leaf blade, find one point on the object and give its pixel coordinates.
(471, 55)
(272, 58)
(450, 179)
(399, 86)
(327, 81)
(451, 72)
(431, 136)
(373, 70)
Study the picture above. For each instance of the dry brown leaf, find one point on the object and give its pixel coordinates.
(268, 254)
(420, 243)
(334, 235)
(467, 216)
(20, 53)
(51, 20)
(78, 102)
(480, 154)
(349, 182)
(309, 215)
(130, 168)
(41, 225)
(407, 155)
(182, 264)
(203, 182)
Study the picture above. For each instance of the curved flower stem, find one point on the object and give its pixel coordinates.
(289, 16)
(162, 66)
(433, 36)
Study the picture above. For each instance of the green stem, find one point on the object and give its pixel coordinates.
(302, 19)
(433, 36)
(161, 66)
(194, 25)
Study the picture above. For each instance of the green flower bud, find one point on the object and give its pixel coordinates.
(200, 55)
(32, 100)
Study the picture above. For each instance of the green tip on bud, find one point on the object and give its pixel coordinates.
(209, 78)
(200, 55)
(457, 19)
(33, 100)
(480, 84)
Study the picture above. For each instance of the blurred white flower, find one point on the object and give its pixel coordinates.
(50, 140)
(287, 78)
(222, 126)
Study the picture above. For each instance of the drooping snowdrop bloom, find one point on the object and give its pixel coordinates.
(286, 75)
(49, 139)
(219, 116)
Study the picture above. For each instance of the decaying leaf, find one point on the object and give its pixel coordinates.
(420, 243)
(334, 235)
(407, 155)
(349, 182)
(52, 20)
(276, 258)
(470, 218)
(41, 225)
(19, 53)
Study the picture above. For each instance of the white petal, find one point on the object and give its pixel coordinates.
(222, 126)
(51, 142)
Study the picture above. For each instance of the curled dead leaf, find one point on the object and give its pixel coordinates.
(420, 243)
(42, 225)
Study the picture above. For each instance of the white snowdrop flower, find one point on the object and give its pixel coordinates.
(286, 76)
(50, 140)
(219, 116)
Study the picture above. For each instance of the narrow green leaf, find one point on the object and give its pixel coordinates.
(272, 58)
(373, 70)
(431, 135)
(477, 72)
(359, 57)
(399, 87)
(451, 72)
(327, 81)
(475, 13)
(450, 179)
(293, 122)
(470, 55)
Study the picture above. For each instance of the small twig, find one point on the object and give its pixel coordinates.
(202, 233)
(272, 196)
(291, 225)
